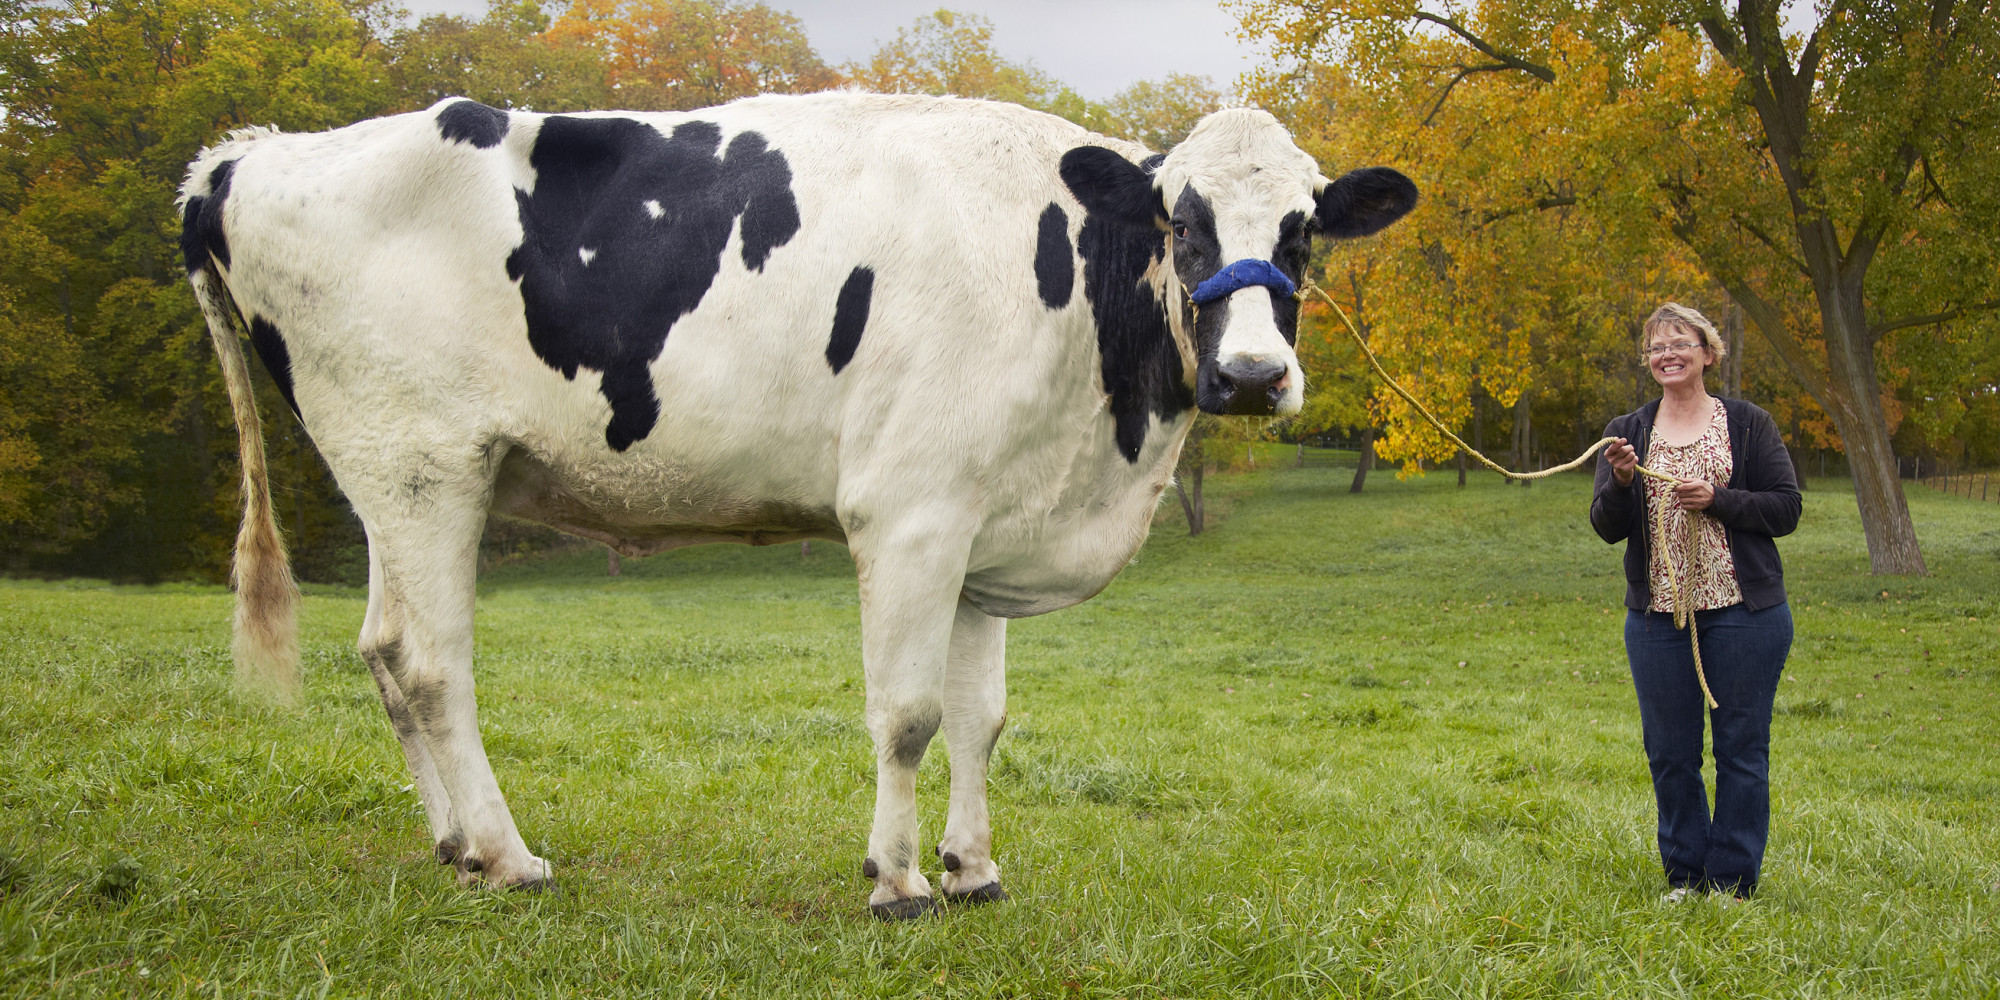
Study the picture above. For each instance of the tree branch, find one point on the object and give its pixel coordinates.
(1810, 55)
(1765, 238)
(1539, 205)
(1721, 34)
(1463, 72)
(1769, 319)
(1451, 24)
(1875, 332)
(1931, 185)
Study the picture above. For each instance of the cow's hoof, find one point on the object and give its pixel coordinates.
(534, 875)
(903, 909)
(533, 884)
(988, 893)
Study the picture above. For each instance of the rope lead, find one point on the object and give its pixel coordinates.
(1680, 579)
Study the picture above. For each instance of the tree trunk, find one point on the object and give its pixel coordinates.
(1732, 364)
(1301, 463)
(1524, 430)
(1461, 468)
(1191, 505)
(612, 565)
(1479, 421)
(1864, 430)
(1365, 462)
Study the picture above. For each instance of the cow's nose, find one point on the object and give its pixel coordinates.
(1253, 386)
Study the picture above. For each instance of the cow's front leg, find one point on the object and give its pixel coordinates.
(909, 588)
(975, 709)
(428, 558)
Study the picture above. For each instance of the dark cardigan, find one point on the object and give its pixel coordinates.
(1760, 503)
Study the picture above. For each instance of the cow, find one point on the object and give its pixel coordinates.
(963, 338)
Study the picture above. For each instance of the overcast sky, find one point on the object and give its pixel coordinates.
(1098, 47)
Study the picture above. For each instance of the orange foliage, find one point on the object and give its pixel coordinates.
(676, 55)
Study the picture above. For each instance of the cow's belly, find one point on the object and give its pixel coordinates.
(647, 505)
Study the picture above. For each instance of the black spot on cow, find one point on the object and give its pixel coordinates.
(1055, 261)
(1121, 239)
(270, 347)
(473, 122)
(201, 222)
(1141, 364)
(623, 235)
(850, 315)
(1293, 252)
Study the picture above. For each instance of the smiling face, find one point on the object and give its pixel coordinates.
(1682, 365)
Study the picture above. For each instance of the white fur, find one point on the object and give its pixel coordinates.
(965, 454)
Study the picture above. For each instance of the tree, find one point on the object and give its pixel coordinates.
(1212, 442)
(508, 59)
(1445, 298)
(1832, 184)
(1159, 114)
(949, 52)
(677, 55)
(111, 400)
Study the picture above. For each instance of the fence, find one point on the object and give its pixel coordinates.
(1973, 485)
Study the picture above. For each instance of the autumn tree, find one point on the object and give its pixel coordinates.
(1158, 114)
(677, 55)
(1835, 183)
(1489, 301)
(510, 59)
(112, 414)
(951, 52)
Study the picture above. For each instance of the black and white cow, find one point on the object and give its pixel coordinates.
(960, 337)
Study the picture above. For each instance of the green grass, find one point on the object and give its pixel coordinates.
(1254, 766)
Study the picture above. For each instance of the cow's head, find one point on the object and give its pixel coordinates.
(1242, 204)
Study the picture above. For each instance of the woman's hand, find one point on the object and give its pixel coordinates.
(1624, 461)
(1693, 494)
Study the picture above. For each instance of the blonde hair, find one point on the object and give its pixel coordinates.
(1674, 316)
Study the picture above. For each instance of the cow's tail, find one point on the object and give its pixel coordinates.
(267, 600)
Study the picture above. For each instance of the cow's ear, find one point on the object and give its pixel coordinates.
(1365, 201)
(1112, 186)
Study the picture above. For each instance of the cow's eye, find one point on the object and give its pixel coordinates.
(1180, 230)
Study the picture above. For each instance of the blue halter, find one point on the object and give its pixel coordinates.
(1240, 275)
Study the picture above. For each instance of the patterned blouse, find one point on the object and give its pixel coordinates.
(1708, 457)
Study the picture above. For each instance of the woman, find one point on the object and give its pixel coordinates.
(1732, 469)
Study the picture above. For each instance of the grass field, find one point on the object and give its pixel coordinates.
(1379, 745)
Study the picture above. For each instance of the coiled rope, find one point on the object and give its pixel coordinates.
(1680, 578)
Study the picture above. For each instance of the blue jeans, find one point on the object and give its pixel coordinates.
(1744, 653)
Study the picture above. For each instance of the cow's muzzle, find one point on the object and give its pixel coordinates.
(1247, 387)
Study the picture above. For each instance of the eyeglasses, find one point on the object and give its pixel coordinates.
(1680, 348)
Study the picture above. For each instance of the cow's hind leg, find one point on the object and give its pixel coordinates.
(909, 586)
(975, 709)
(424, 539)
(381, 646)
